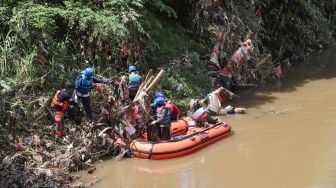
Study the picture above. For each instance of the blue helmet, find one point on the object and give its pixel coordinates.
(160, 101)
(131, 68)
(89, 71)
(159, 94)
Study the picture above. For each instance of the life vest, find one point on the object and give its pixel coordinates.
(84, 86)
(134, 82)
(158, 114)
(175, 112)
(55, 102)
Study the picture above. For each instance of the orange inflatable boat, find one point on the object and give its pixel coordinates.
(185, 140)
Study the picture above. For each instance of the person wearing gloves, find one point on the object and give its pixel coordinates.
(82, 87)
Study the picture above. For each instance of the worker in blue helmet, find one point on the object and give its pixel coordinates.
(162, 122)
(157, 95)
(134, 81)
(174, 110)
(82, 88)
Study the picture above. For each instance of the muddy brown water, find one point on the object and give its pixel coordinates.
(287, 140)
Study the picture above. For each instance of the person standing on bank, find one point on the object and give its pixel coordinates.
(59, 105)
(134, 81)
(83, 85)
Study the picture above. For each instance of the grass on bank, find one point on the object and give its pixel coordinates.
(171, 41)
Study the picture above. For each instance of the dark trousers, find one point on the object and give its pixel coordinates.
(164, 132)
(86, 101)
(158, 132)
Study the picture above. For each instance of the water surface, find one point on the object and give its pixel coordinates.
(287, 140)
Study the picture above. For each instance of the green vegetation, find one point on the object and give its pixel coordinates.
(299, 27)
(184, 84)
(45, 43)
(171, 40)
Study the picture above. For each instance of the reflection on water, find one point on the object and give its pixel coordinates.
(287, 139)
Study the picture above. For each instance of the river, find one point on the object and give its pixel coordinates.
(286, 140)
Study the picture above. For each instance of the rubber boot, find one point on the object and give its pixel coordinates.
(59, 131)
(59, 134)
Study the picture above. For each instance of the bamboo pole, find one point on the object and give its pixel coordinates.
(147, 76)
(143, 86)
(155, 81)
(149, 81)
(149, 84)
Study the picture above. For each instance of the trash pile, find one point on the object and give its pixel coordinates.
(42, 160)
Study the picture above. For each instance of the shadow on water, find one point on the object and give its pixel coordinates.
(320, 65)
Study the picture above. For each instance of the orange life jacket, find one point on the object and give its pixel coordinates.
(56, 102)
(174, 111)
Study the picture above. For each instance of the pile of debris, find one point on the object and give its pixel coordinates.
(38, 159)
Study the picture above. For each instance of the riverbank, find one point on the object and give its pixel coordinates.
(29, 77)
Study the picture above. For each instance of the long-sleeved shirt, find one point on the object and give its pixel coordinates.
(83, 86)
